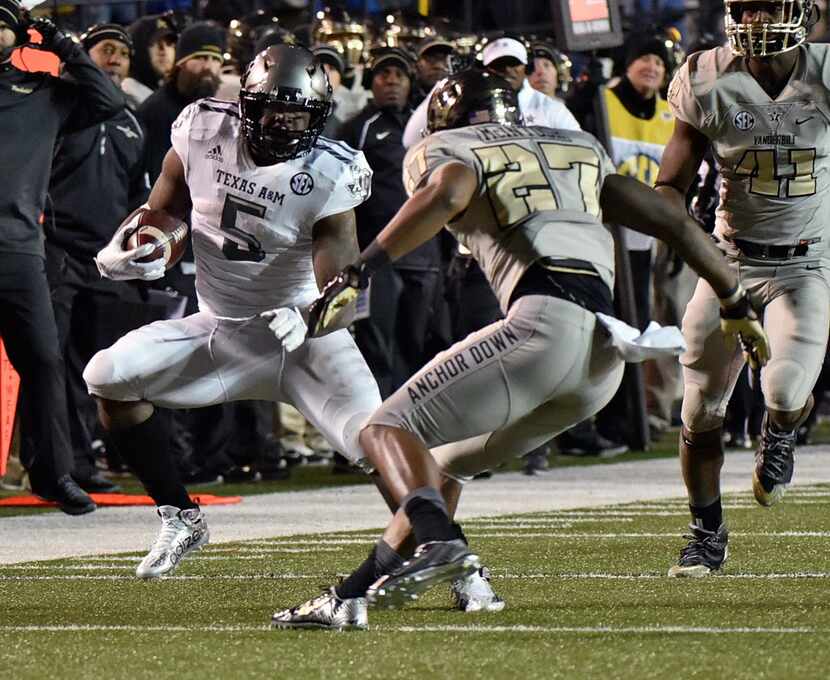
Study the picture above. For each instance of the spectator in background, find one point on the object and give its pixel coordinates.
(35, 108)
(97, 178)
(507, 57)
(433, 64)
(195, 75)
(154, 55)
(403, 297)
(551, 74)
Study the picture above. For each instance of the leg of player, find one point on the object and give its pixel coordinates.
(141, 434)
(775, 457)
(701, 459)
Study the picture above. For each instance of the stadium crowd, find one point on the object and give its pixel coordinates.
(106, 148)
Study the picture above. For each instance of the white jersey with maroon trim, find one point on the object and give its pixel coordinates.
(774, 154)
(538, 197)
(252, 226)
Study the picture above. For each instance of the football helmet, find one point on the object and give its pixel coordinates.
(786, 30)
(471, 97)
(284, 102)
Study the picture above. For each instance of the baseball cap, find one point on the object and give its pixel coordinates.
(435, 43)
(389, 55)
(202, 39)
(329, 55)
(95, 34)
(504, 47)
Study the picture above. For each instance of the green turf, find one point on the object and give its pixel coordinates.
(563, 620)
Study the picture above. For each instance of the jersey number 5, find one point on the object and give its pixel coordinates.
(239, 245)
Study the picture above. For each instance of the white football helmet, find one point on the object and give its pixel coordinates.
(787, 29)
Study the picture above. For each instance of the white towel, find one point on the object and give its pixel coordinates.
(633, 347)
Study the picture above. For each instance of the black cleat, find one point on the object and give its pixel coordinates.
(774, 463)
(706, 552)
(432, 563)
(70, 498)
(325, 611)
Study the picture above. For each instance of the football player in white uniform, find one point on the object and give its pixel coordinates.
(762, 104)
(529, 204)
(271, 209)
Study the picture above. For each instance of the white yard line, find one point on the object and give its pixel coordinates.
(459, 628)
(359, 508)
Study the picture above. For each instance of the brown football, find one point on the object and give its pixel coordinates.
(167, 233)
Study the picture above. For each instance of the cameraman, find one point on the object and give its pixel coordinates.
(34, 109)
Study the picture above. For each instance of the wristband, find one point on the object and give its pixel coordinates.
(733, 297)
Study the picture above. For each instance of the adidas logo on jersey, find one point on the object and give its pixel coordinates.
(215, 154)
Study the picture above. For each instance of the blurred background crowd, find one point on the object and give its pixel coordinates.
(383, 58)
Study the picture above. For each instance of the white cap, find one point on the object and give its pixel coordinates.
(504, 47)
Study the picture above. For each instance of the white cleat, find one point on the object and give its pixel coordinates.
(325, 611)
(474, 593)
(182, 531)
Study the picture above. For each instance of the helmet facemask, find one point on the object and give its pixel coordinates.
(786, 30)
(284, 102)
(277, 130)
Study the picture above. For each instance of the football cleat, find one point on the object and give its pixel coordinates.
(182, 531)
(474, 593)
(326, 611)
(432, 563)
(774, 463)
(706, 552)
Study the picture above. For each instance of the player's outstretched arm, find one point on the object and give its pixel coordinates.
(680, 162)
(447, 193)
(627, 201)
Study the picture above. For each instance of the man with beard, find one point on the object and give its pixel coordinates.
(196, 75)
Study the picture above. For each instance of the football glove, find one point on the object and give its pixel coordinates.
(288, 325)
(325, 312)
(739, 320)
(118, 264)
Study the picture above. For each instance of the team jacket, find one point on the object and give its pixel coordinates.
(98, 177)
(34, 109)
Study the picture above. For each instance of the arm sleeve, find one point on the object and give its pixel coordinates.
(88, 93)
(352, 187)
(682, 101)
(180, 134)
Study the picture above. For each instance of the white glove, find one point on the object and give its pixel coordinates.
(288, 325)
(120, 265)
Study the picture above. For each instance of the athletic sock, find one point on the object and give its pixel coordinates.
(382, 560)
(709, 518)
(146, 449)
(427, 513)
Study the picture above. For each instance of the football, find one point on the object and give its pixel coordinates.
(167, 233)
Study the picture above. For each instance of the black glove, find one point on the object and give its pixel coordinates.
(340, 292)
(54, 40)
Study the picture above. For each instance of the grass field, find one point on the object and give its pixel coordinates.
(586, 591)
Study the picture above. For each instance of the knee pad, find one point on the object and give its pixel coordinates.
(99, 374)
(699, 415)
(785, 385)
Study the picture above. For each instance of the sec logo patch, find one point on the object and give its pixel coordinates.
(744, 121)
(302, 183)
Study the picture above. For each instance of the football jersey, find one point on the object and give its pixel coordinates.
(251, 226)
(772, 153)
(538, 196)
